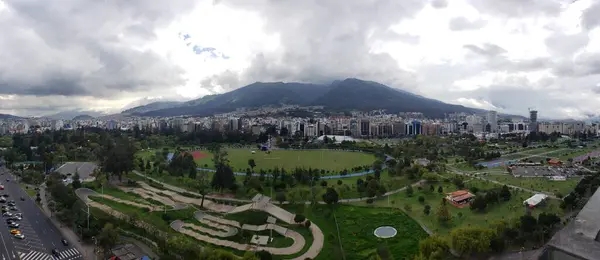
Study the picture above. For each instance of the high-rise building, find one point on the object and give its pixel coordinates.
(492, 120)
(365, 127)
(533, 120)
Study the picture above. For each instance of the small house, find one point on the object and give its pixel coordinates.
(460, 197)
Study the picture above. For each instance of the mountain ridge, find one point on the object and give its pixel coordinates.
(348, 94)
(8, 116)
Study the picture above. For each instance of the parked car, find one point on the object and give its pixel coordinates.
(55, 252)
(13, 225)
(7, 214)
(19, 236)
(15, 231)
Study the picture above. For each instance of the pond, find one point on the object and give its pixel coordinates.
(385, 232)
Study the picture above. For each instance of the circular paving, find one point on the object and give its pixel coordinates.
(385, 232)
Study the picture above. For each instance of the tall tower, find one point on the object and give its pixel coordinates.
(533, 120)
(492, 119)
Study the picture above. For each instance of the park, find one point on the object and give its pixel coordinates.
(329, 203)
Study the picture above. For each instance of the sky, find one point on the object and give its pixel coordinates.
(103, 55)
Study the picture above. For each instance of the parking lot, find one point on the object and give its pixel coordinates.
(31, 242)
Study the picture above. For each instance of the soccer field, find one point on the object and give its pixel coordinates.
(328, 160)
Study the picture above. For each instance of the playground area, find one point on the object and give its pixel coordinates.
(280, 234)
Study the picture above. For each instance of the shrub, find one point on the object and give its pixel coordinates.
(307, 224)
(299, 218)
(369, 201)
(421, 199)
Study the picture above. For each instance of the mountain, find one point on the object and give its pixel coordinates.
(158, 105)
(83, 117)
(254, 95)
(7, 116)
(70, 114)
(341, 95)
(355, 94)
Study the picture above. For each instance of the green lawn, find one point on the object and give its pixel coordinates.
(356, 226)
(329, 160)
(30, 191)
(509, 210)
(154, 218)
(538, 184)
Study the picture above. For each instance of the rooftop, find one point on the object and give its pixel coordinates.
(580, 236)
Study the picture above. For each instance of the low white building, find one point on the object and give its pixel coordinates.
(535, 200)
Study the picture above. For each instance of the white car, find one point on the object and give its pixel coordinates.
(19, 236)
(7, 214)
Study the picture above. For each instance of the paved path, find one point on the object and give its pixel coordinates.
(456, 171)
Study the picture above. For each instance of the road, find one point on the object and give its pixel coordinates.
(41, 236)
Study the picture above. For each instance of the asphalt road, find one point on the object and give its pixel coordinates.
(41, 236)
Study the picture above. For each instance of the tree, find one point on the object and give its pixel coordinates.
(430, 177)
(434, 247)
(76, 181)
(505, 193)
(280, 196)
(421, 199)
(479, 203)
(440, 190)
(252, 164)
(443, 214)
(409, 191)
(223, 177)
(471, 240)
(431, 188)
(108, 237)
(427, 210)
(331, 196)
(192, 173)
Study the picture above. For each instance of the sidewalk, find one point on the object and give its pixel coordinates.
(86, 250)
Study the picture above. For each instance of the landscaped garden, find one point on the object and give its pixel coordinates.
(355, 238)
(431, 195)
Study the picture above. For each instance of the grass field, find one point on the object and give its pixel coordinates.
(290, 159)
(356, 226)
(512, 209)
(329, 160)
(538, 184)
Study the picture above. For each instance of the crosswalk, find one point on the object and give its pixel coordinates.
(70, 254)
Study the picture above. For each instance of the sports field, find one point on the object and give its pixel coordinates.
(289, 159)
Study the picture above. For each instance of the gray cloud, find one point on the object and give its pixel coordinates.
(463, 24)
(487, 49)
(566, 44)
(439, 4)
(520, 8)
(591, 16)
(84, 47)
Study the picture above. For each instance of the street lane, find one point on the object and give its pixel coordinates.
(41, 236)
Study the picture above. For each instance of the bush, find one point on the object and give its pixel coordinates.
(421, 199)
(299, 218)
(369, 201)
(307, 224)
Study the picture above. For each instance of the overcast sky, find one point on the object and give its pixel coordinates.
(505, 55)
